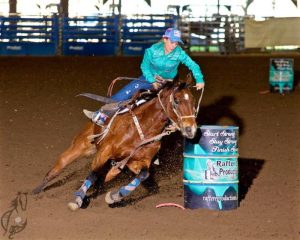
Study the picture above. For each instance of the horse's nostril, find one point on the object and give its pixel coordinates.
(190, 132)
(188, 129)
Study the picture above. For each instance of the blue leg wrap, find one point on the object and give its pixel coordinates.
(126, 190)
(143, 175)
(90, 180)
(83, 189)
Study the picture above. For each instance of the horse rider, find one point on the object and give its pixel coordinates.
(160, 61)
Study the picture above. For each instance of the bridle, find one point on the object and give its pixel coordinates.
(174, 109)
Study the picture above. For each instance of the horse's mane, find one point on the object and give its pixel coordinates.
(176, 82)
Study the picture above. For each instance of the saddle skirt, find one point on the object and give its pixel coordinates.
(137, 103)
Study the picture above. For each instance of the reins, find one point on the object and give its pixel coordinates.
(199, 101)
(111, 86)
(163, 107)
(175, 111)
(167, 131)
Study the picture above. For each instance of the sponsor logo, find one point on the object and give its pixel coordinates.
(135, 48)
(14, 48)
(76, 48)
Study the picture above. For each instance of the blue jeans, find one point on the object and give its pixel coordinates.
(131, 88)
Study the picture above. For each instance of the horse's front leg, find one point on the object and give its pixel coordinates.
(117, 196)
(140, 166)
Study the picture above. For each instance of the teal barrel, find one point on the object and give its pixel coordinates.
(210, 169)
(281, 75)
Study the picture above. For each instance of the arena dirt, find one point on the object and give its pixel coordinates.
(40, 114)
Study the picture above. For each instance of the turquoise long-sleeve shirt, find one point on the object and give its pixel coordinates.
(157, 63)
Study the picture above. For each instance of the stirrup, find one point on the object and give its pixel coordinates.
(97, 117)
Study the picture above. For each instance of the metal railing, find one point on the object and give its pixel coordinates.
(28, 35)
(111, 35)
(141, 31)
(224, 34)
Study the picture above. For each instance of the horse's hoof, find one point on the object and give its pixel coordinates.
(40, 187)
(112, 197)
(108, 198)
(37, 190)
(73, 206)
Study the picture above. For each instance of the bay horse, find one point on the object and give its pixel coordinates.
(133, 139)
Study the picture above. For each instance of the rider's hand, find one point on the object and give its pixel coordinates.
(199, 86)
(159, 79)
(156, 85)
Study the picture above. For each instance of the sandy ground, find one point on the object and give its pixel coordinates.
(40, 115)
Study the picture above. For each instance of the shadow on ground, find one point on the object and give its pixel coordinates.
(248, 171)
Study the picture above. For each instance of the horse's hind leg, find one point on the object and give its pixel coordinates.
(99, 161)
(81, 193)
(80, 147)
(90, 181)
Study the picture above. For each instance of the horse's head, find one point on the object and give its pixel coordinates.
(180, 106)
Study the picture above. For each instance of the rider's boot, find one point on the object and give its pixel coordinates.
(97, 117)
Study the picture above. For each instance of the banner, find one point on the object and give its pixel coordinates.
(281, 75)
(272, 32)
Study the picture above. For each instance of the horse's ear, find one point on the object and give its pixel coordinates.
(189, 79)
(176, 81)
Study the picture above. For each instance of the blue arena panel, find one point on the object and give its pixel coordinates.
(35, 36)
(89, 36)
(141, 31)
